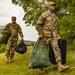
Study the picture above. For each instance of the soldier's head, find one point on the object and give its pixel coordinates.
(13, 18)
(51, 6)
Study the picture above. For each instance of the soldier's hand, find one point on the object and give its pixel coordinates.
(40, 36)
(59, 37)
(1, 36)
(22, 38)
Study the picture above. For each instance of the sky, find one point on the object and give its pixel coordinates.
(7, 9)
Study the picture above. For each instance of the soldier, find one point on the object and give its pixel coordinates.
(13, 29)
(46, 30)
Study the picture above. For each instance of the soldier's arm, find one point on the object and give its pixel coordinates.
(20, 31)
(40, 24)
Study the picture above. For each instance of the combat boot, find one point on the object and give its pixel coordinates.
(62, 67)
(7, 59)
(40, 70)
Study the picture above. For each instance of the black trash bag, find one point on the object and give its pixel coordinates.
(21, 48)
(5, 37)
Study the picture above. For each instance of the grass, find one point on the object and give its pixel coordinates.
(20, 63)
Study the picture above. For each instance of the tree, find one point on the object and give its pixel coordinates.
(34, 8)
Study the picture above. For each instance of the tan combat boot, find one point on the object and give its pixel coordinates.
(62, 67)
(7, 59)
(40, 70)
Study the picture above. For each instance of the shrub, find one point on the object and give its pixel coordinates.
(2, 48)
(71, 46)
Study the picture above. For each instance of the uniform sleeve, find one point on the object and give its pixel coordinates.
(40, 24)
(20, 31)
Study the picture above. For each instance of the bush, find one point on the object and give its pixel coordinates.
(71, 46)
(2, 48)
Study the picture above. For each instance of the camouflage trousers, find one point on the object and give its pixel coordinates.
(56, 49)
(10, 48)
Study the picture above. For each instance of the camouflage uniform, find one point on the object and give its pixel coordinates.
(14, 29)
(45, 26)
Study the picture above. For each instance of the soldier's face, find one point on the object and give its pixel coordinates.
(52, 7)
(13, 20)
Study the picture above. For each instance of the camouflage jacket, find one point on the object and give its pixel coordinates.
(46, 24)
(14, 29)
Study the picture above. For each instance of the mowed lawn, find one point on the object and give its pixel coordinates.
(20, 63)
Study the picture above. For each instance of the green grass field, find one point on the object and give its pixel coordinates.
(20, 63)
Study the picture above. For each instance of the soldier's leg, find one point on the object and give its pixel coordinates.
(56, 50)
(12, 51)
(7, 53)
(57, 53)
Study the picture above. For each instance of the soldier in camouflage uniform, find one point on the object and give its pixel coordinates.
(46, 30)
(13, 29)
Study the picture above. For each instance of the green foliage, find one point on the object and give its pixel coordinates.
(66, 27)
(71, 47)
(2, 48)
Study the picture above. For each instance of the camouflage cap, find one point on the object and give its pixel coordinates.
(13, 18)
(51, 3)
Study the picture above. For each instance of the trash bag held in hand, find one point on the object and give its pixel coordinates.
(5, 37)
(21, 48)
(38, 55)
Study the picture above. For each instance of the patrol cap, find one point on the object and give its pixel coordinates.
(51, 3)
(13, 18)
